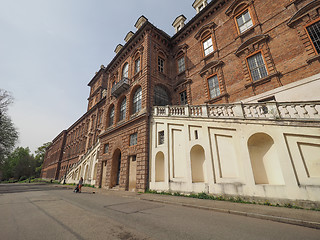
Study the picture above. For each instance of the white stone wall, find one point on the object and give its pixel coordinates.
(259, 158)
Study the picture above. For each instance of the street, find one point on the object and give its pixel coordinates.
(35, 211)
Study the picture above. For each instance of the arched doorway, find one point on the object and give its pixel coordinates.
(116, 168)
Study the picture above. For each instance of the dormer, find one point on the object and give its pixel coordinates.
(128, 36)
(118, 48)
(179, 23)
(198, 5)
(140, 22)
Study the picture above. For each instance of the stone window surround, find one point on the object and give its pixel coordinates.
(306, 29)
(264, 61)
(304, 17)
(251, 16)
(211, 69)
(208, 88)
(203, 40)
(161, 64)
(181, 56)
(186, 96)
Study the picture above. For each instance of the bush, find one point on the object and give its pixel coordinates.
(22, 178)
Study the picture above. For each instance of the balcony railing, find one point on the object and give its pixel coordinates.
(120, 87)
(307, 111)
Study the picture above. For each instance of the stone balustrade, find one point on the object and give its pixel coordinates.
(307, 111)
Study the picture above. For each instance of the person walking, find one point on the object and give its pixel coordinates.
(80, 184)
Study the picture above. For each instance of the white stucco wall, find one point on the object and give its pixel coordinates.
(236, 160)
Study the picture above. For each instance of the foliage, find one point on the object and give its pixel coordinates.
(8, 133)
(39, 158)
(20, 163)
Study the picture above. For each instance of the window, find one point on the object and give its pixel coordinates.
(161, 97)
(196, 136)
(213, 86)
(123, 108)
(314, 33)
(201, 7)
(257, 67)
(137, 100)
(161, 137)
(125, 70)
(181, 64)
(106, 148)
(160, 65)
(133, 139)
(137, 66)
(111, 116)
(244, 21)
(207, 46)
(183, 98)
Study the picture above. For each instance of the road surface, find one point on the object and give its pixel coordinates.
(45, 212)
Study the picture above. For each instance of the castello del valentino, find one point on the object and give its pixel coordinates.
(227, 105)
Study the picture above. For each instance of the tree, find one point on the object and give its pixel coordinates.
(8, 133)
(19, 164)
(39, 158)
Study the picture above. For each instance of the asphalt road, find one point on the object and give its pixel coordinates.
(47, 212)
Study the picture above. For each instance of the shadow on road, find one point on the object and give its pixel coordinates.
(26, 187)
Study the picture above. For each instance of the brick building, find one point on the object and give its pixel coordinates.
(230, 51)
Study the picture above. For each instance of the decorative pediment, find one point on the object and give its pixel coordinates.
(208, 26)
(182, 48)
(235, 4)
(210, 65)
(303, 11)
(250, 42)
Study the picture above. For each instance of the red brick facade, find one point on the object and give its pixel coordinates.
(215, 49)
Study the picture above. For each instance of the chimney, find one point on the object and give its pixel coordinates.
(179, 23)
(198, 5)
(140, 21)
(118, 48)
(129, 35)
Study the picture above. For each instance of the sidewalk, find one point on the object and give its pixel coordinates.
(306, 218)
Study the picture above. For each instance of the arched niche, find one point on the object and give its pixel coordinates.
(197, 158)
(159, 167)
(79, 173)
(264, 160)
(95, 171)
(86, 173)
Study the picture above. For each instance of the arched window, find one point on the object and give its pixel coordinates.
(111, 116)
(125, 70)
(161, 97)
(137, 100)
(123, 107)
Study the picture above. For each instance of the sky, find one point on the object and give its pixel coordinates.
(51, 49)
